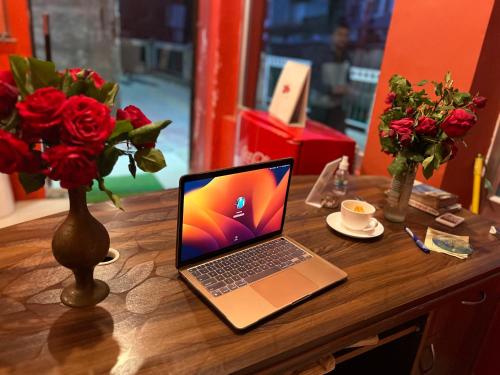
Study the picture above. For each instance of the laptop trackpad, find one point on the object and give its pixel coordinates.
(285, 287)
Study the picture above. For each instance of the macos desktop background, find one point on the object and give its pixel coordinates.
(225, 210)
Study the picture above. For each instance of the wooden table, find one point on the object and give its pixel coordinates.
(153, 323)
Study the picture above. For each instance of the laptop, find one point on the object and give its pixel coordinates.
(230, 244)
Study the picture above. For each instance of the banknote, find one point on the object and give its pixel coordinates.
(442, 242)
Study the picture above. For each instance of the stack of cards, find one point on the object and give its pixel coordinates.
(442, 242)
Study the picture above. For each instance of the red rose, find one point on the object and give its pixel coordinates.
(458, 122)
(426, 126)
(15, 155)
(390, 98)
(479, 101)
(409, 111)
(73, 166)
(387, 133)
(77, 73)
(86, 122)
(41, 111)
(403, 129)
(137, 118)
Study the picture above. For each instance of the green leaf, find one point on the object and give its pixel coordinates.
(108, 93)
(113, 197)
(427, 172)
(148, 133)
(31, 182)
(107, 160)
(67, 80)
(438, 88)
(131, 165)
(19, 67)
(461, 98)
(422, 82)
(150, 160)
(447, 79)
(397, 166)
(120, 132)
(43, 73)
(77, 88)
(427, 161)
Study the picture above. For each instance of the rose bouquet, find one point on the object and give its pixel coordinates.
(59, 124)
(416, 128)
(419, 129)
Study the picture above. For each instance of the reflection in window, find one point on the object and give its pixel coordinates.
(342, 41)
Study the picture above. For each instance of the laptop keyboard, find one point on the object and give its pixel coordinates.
(233, 271)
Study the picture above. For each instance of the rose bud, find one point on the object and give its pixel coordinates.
(426, 126)
(73, 166)
(410, 111)
(137, 118)
(389, 99)
(79, 73)
(479, 101)
(458, 123)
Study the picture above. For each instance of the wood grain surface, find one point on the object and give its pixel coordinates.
(153, 323)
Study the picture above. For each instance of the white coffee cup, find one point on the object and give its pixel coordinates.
(358, 215)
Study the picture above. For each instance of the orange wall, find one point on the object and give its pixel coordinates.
(18, 20)
(216, 83)
(427, 38)
(18, 17)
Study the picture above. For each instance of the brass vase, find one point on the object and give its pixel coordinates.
(80, 243)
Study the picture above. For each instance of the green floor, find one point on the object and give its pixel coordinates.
(125, 186)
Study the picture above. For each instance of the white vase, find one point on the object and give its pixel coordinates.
(7, 205)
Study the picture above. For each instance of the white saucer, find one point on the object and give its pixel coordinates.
(335, 222)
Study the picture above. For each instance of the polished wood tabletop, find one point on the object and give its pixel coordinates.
(153, 323)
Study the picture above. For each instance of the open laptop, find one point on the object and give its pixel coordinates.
(230, 246)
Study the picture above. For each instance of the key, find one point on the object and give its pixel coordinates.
(215, 286)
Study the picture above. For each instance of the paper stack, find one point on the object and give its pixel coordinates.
(442, 242)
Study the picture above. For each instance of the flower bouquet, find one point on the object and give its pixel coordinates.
(59, 124)
(417, 129)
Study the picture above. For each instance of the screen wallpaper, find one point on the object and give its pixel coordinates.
(226, 210)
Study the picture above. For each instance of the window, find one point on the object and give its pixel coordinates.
(343, 42)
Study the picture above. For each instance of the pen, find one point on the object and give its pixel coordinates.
(417, 240)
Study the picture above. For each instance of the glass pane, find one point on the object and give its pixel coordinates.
(147, 47)
(343, 42)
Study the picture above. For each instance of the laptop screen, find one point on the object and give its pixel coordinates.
(228, 209)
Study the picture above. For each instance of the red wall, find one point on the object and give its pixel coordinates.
(427, 38)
